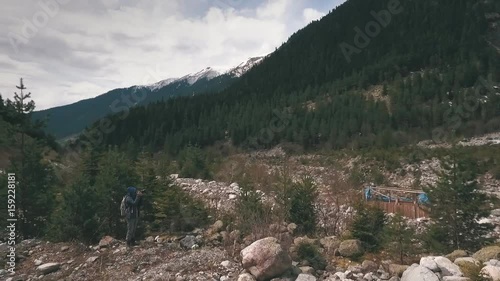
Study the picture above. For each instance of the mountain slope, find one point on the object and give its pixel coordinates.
(427, 60)
(71, 119)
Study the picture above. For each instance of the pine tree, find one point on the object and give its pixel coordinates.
(457, 205)
(36, 178)
(116, 173)
(399, 238)
(368, 226)
(76, 217)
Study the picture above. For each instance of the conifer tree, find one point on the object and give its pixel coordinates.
(457, 206)
(399, 238)
(116, 173)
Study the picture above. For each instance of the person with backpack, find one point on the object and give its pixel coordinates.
(130, 209)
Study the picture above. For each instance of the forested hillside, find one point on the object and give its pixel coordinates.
(427, 63)
(68, 120)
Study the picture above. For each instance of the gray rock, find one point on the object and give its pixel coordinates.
(495, 213)
(189, 242)
(455, 278)
(351, 248)
(419, 273)
(487, 253)
(305, 277)
(492, 272)
(246, 277)
(92, 259)
(447, 267)
(430, 263)
(397, 269)
(465, 261)
(226, 264)
(292, 228)
(106, 242)
(48, 268)
(494, 263)
(307, 270)
(369, 266)
(266, 259)
(369, 276)
(457, 254)
(330, 243)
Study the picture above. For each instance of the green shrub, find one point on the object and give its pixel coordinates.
(302, 196)
(311, 254)
(368, 226)
(250, 210)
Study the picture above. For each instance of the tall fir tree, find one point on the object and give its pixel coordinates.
(457, 206)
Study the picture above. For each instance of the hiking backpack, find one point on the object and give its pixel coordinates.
(123, 206)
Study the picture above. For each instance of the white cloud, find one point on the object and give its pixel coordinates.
(90, 47)
(311, 14)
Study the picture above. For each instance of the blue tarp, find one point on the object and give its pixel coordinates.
(369, 195)
(423, 199)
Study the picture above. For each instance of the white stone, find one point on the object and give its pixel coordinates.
(305, 277)
(48, 268)
(491, 271)
(455, 278)
(226, 264)
(419, 273)
(447, 267)
(429, 263)
(246, 277)
(92, 259)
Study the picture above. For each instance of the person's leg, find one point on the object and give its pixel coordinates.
(133, 230)
(130, 230)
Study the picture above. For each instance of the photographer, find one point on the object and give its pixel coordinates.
(133, 201)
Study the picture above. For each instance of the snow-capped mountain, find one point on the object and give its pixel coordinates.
(161, 84)
(244, 67)
(73, 118)
(207, 74)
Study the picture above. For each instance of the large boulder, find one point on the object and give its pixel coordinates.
(447, 267)
(48, 268)
(467, 262)
(430, 263)
(492, 272)
(217, 227)
(487, 253)
(266, 259)
(457, 254)
(330, 243)
(419, 273)
(397, 269)
(351, 248)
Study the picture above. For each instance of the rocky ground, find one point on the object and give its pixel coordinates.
(199, 256)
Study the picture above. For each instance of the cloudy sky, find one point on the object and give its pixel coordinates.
(68, 50)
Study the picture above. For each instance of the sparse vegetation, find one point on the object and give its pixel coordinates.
(311, 254)
(368, 226)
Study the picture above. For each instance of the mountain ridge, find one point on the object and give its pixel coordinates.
(67, 120)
